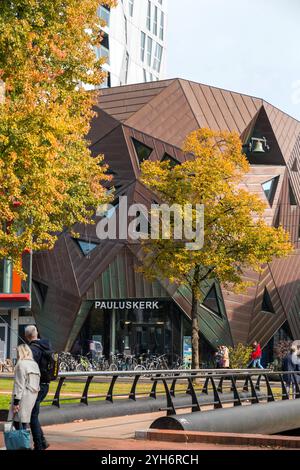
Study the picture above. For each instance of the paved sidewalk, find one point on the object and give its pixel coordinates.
(118, 434)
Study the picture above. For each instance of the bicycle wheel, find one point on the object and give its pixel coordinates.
(113, 367)
(140, 368)
(63, 367)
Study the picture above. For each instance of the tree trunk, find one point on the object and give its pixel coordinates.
(195, 332)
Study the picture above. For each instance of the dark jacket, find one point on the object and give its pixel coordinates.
(37, 347)
(289, 366)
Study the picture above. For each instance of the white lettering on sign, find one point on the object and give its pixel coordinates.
(127, 305)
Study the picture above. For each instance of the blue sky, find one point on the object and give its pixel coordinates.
(250, 46)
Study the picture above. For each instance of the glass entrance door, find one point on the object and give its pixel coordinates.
(148, 339)
(3, 342)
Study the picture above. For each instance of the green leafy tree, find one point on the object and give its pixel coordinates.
(48, 180)
(236, 235)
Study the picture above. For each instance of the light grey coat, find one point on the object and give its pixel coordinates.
(26, 388)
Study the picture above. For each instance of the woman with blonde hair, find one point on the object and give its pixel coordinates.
(26, 387)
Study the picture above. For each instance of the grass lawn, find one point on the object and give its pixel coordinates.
(75, 388)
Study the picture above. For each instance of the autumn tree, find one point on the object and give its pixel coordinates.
(235, 233)
(48, 180)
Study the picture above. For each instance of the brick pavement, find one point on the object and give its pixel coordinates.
(118, 434)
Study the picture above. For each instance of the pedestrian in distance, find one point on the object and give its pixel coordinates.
(289, 364)
(42, 354)
(26, 388)
(256, 356)
(219, 358)
(226, 358)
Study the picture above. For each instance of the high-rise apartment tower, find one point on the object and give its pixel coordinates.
(134, 41)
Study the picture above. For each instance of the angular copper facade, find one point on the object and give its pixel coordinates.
(160, 115)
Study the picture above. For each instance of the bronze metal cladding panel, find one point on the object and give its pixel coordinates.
(285, 128)
(264, 325)
(257, 176)
(220, 109)
(294, 168)
(57, 316)
(294, 315)
(239, 308)
(123, 102)
(289, 213)
(286, 275)
(51, 268)
(101, 125)
(168, 116)
(213, 327)
(114, 148)
(159, 147)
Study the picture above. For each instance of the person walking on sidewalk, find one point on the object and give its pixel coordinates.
(256, 356)
(26, 388)
(39, 348)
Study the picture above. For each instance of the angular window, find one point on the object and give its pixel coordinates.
(162, 26)
(143, 43)
(142, 150)
(293, 200)
(277, 218)
(104, 14)
(212, 302)
(149, 50)
(295, 165)
(86, 247)
(157, 57)
(267, 305)
(270, 188)
(155, 20)
(131, 7)
(149, 16)
(171, 160)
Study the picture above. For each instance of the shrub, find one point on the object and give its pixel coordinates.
(240, 356)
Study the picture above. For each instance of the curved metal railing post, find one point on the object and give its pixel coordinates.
(195, 402)
(173, 386)
(85, 395)
(132, 395)
(56, 399)
(271, 397)
(205, 386)
(285, 395)
(217, 399)
(170, 405)
(110, 393)
(236, 395)
(153, 393)
(254, 396)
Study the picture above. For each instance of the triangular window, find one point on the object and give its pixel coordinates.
(295, 165)
(171, 160)
(86, 247)
(267, 305)
(293, 200)
(261, 128)
(270, 188)
(142, 150)
(212, 302)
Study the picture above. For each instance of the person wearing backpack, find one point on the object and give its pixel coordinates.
(42, 354)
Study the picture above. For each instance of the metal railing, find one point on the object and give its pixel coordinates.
(230, 387)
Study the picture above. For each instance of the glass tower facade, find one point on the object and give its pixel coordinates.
(134, 41)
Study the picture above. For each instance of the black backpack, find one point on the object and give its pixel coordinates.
(49, 364)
